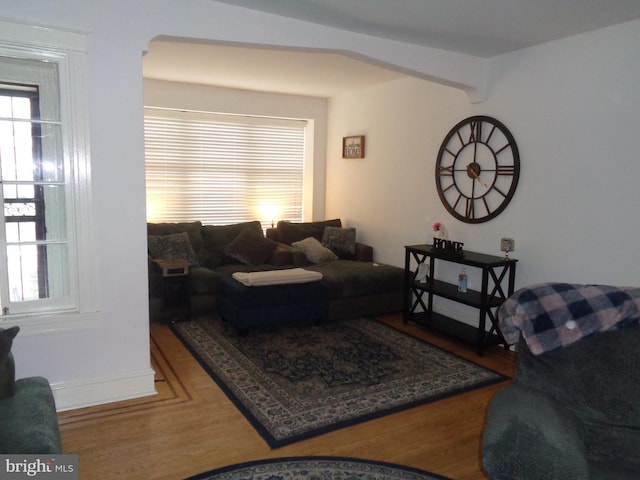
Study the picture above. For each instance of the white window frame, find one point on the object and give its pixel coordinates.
(68, 50)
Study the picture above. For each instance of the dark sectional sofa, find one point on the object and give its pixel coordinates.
(357, 285)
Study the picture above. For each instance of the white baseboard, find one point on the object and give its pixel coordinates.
(97, 391)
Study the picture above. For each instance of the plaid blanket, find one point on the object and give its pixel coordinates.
(554, 315)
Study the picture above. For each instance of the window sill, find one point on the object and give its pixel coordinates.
(52, 322)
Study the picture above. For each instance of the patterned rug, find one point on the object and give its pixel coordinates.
(296, 381)
(317, 468)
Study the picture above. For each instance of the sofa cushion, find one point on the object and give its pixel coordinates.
(282, 255)
(190, 228)
(7, 365)
(351, 278)
(204, 281)
(250, 248)
(294, 232)
(172, 247)
(217, 237)
(342, 241)
(315, 251)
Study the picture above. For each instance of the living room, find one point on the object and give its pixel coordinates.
(572, 105)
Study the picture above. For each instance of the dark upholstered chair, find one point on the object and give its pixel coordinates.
(571, 413)
(28, 421)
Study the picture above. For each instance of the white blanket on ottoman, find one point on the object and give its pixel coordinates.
(277, 277)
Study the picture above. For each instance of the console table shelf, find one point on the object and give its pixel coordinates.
(496, 271)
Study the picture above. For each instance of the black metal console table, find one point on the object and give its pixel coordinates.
(498, 278)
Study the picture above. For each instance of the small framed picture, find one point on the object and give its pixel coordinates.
(353, 147)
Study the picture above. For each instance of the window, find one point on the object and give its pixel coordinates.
(33, 196)
(223, 169)
(44, 262)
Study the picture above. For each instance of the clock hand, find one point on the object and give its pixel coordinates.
(477, 177)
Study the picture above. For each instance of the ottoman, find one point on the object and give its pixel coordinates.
(256, 306)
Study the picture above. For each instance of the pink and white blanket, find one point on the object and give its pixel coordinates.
(554, 315)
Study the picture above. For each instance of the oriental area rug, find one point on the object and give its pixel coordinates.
(314, 468)
(296, 381)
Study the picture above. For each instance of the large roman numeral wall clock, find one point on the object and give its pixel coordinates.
(477, 169)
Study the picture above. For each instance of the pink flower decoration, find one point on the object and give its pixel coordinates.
(436, 226)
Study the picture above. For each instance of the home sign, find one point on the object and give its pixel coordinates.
(448, 246)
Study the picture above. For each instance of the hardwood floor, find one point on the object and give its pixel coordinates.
(191, 426)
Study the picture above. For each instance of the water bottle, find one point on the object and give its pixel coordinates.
(462, 281)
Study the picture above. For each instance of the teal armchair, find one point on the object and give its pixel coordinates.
(572, 412)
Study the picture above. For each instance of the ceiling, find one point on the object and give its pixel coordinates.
(476, 27)
(482, 28)
(279, 71)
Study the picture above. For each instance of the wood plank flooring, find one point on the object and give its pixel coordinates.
(190, 426)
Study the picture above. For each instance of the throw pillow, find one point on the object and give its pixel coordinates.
(250, 248)
(193, 229)
(342, 241)
(172, 247)
(217, 237)
(314, 251)
(7, 366)
(294, 232)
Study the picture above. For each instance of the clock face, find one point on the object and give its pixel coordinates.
(477, 169)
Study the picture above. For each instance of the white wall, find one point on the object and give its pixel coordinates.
(109, 360)
(564, 102)
(573, 107)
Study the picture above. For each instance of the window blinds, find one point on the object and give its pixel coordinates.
(222, 169)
